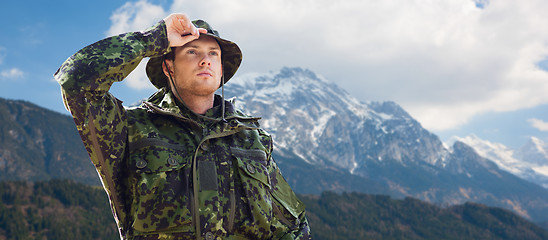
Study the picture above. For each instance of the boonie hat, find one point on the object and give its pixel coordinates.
(231, 57)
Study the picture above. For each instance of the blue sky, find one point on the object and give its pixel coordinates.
(460, 67)
(37, 36)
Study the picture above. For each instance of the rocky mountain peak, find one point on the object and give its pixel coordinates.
(535, 151)
(304, 111)
(465, 158)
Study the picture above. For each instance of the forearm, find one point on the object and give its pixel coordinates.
(93, 69)
(86, 77)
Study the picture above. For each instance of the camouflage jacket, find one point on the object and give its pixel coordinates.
(170, 173)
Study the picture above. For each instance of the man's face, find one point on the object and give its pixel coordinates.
(197, 67)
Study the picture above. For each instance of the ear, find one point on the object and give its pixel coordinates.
(167, 67)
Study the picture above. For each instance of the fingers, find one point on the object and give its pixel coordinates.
(181, 24)
(202, 30)
(180, 29)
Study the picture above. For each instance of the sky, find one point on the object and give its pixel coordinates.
(459, 67)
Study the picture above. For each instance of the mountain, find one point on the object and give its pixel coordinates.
(321, 132)
(535, 152)
(64, 209)
(304, 111)
(529, 162)
(39, 144)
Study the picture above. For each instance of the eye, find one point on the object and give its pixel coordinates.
(191, 51)
(214, 53)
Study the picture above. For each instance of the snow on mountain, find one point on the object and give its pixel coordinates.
(502, 154)
(530, 162)
(298, 107)
(304, 111)
(535, 152)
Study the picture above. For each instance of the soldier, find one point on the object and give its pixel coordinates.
(185, 164)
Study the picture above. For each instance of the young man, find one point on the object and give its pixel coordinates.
(184, 164)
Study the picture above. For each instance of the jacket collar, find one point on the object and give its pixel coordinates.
(164, 102)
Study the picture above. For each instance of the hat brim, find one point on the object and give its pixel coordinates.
(231, 56)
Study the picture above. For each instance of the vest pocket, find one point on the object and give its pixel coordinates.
(256, 183)
(161, 196)
(274, 206)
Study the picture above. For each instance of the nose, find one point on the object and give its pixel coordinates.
(206, 61)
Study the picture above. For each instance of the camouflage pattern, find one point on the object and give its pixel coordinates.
(230, 53)
(170, 173)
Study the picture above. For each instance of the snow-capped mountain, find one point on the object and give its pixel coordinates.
(304, 112)
(535, 153)
(530, 162)
(327, 140)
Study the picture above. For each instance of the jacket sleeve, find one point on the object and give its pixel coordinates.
(293, 213)
(100, 118)
(288, 207)
(303, 231)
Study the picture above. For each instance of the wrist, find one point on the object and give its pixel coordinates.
(155, 40)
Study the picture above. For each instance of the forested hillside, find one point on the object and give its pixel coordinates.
(64, 209)
(57, 209)
(37, 144)
(364, 216)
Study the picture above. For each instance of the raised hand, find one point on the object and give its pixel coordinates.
(180, 30)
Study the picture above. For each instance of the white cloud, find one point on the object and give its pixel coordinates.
(136, 16)
(138, 78)
(9, 74)
(539, 124)
(443, 61)
(13, 73)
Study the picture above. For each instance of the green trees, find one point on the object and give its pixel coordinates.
(364, 216)
(57, 209)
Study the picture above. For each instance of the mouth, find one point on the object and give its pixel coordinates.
(205, 74)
